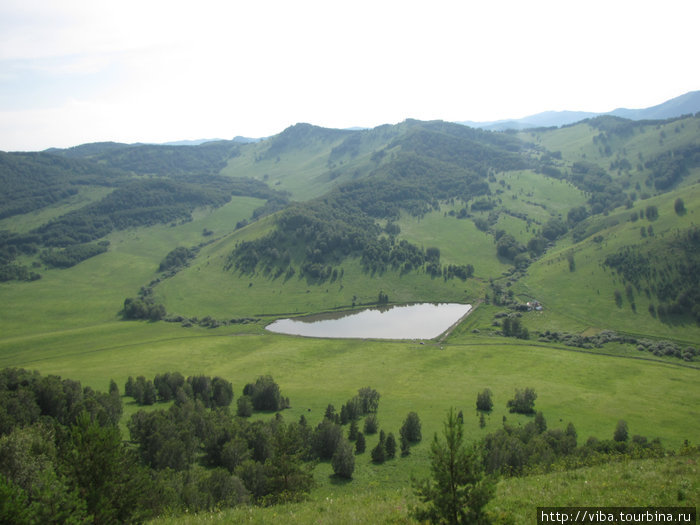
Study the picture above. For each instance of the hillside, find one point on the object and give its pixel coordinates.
(123, 261)
(421, 210)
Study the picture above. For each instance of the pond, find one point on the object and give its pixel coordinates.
(415, 321)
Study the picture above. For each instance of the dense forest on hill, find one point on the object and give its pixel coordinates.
(147, 159)
(31, 181)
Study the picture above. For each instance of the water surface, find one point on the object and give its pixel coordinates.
(415, 321)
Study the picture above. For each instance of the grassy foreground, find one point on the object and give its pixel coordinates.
(592, 391)
(671, 481)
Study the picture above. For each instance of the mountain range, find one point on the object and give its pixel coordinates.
(687, 104)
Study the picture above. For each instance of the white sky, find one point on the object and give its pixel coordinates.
(77, 71)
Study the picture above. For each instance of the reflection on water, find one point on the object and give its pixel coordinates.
(415, 321)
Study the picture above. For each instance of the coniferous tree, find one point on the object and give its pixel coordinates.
(371, 424)
(484, 400)
(379, 453)
(352, 432)
(540, 422)
(360, 443)
(411, 428)
(390, 446)
(458, 489)
(405, 446)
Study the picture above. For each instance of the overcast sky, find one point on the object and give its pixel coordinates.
(77, 71)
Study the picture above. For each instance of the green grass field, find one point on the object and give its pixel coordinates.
(592, 391)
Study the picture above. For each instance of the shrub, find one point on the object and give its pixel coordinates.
(523, 402)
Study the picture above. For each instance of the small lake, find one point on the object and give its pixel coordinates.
(414, 321)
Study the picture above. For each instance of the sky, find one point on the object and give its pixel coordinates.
(79, 71)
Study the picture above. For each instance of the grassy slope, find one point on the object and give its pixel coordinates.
(460, 242)
(667, 482)
(585, 297)
(309, 171)
(93, 292)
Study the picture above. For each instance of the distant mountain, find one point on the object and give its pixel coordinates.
(195, 142)
(683, 105)
(247, 140)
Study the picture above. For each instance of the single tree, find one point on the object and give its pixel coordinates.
(652, 212)
(458, 490)
(371, 424)
(411, 428)
(331, 414)
(368, 399)
(379, 453)
(352, 432)
(484, 400)
(540, 422)
(390, 446)
(343, 460)
(621, 433)
(679, 206)
(360, 443)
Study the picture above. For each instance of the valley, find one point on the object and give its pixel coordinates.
(314, 220)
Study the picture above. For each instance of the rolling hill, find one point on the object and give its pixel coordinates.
(125, 260)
